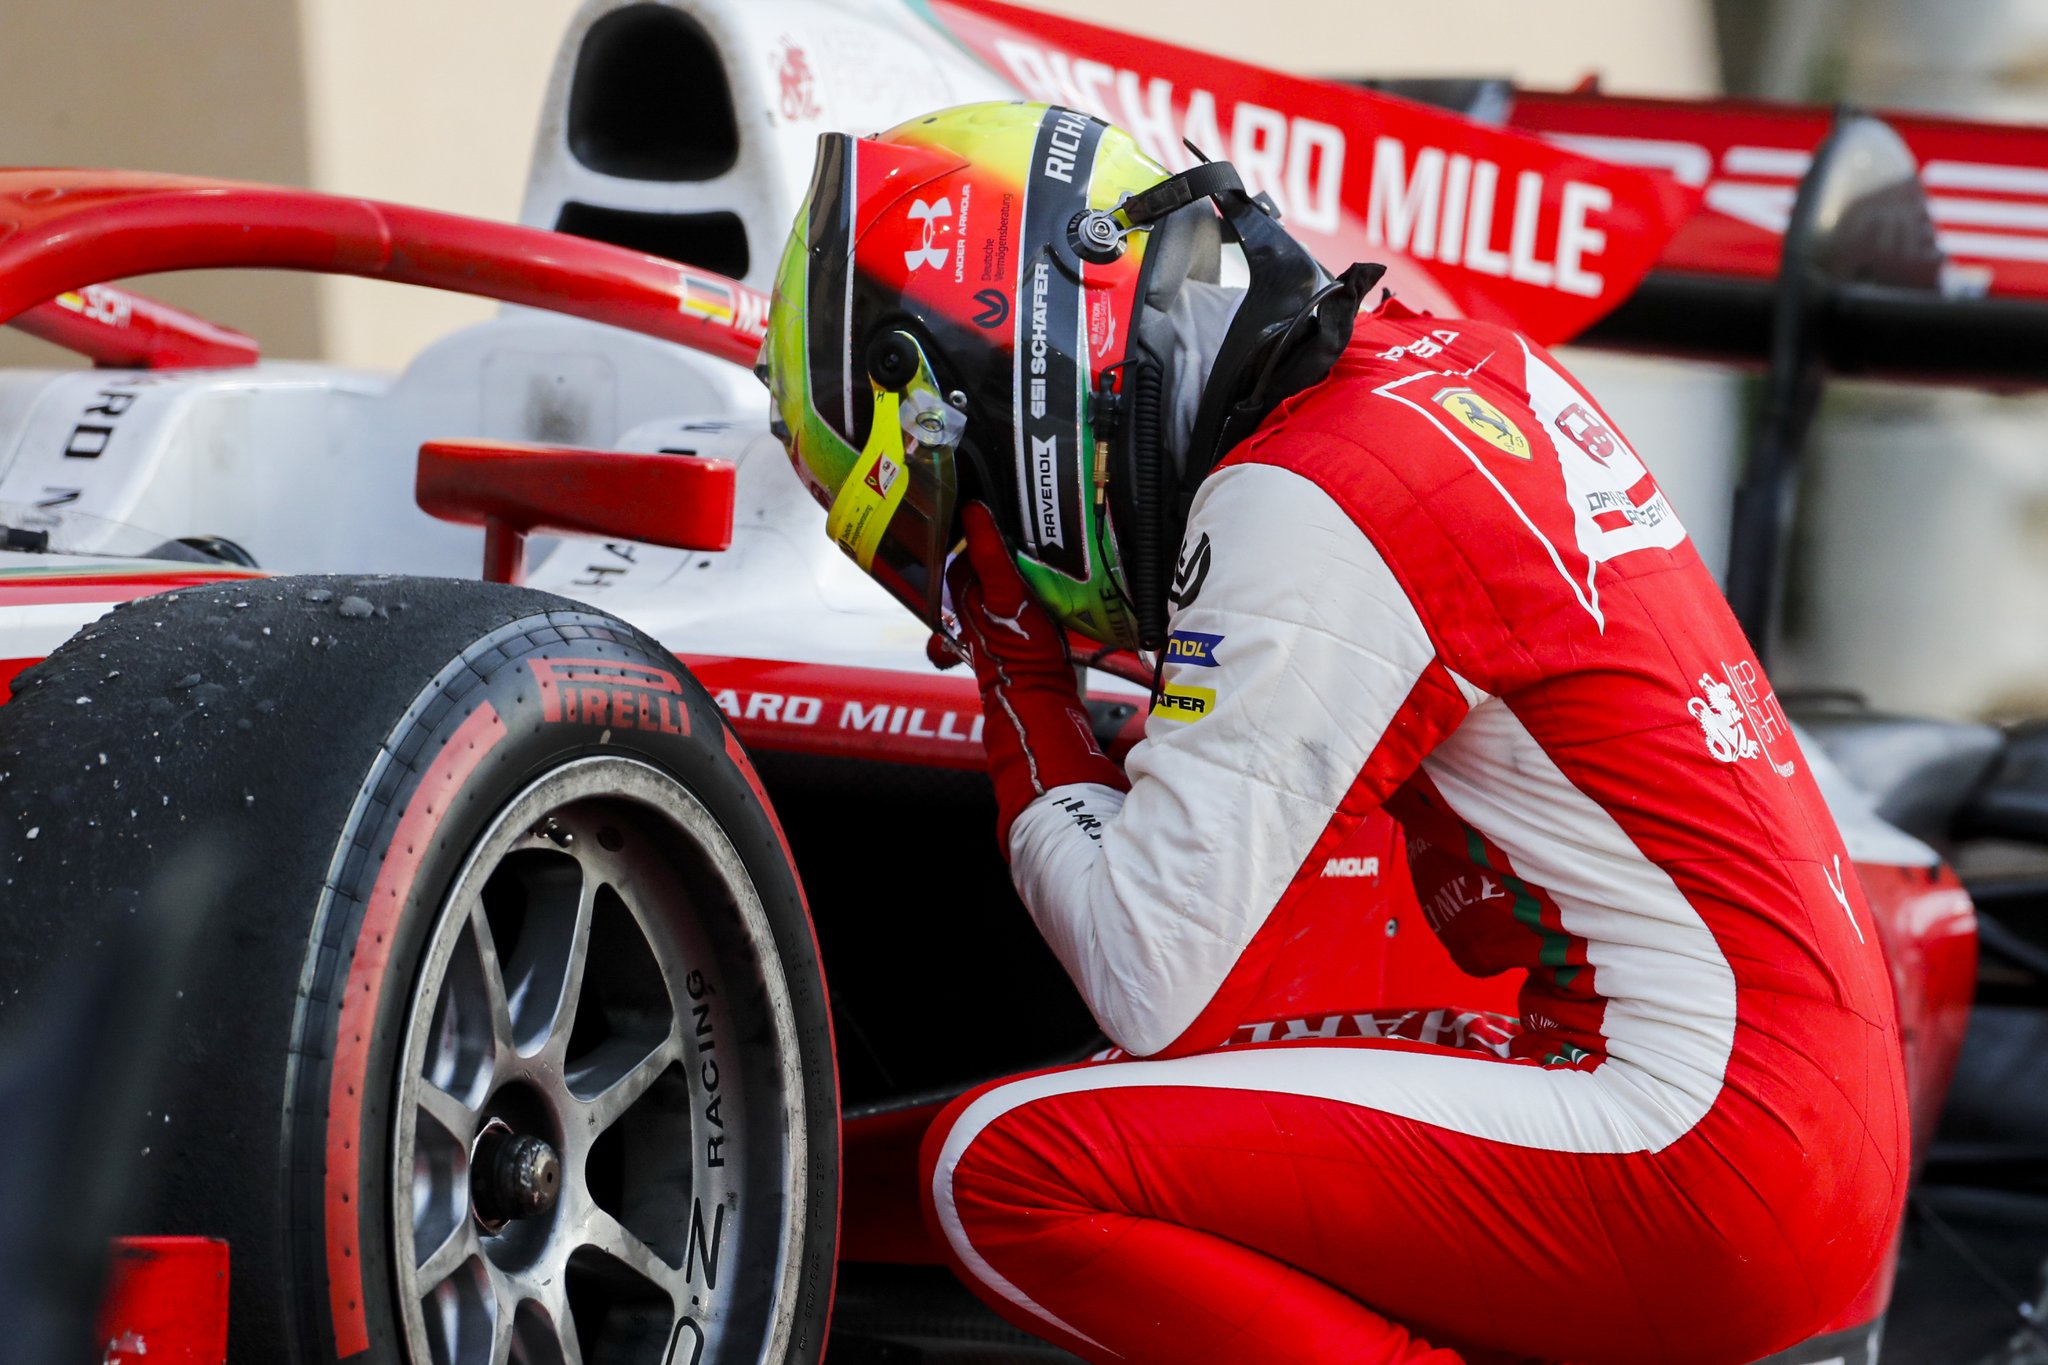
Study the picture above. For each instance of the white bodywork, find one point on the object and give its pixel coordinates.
(311, 467)
(871, 65)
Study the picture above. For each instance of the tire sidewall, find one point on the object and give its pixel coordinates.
(520, 702)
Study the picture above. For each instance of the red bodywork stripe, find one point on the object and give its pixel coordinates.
(875, 714)
(870, 713)
(166, 1302)
(881, 1188)
(1162, 92)
(118, 327)
(27, 589)
(476, 737)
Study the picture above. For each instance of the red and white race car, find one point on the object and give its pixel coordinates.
(487, 925)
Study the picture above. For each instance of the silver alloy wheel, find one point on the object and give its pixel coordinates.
(600, 998)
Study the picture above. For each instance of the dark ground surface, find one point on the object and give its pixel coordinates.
(1944, 1309)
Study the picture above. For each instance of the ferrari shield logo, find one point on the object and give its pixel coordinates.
(1484, 420)
(882, 477)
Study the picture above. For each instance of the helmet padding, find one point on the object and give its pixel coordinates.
(1198, 318)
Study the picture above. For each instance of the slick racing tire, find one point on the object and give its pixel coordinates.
(505, 1036)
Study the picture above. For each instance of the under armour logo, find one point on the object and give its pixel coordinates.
(933, 216)
(1190, 573)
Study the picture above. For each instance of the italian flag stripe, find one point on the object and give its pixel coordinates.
(1555, 950)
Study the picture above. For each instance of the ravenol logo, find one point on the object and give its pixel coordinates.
(1178, 702)
(1484, 420)
(1192, 647)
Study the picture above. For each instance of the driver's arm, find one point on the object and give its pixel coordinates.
(1310, 690)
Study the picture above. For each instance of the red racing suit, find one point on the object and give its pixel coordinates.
(1441, 582)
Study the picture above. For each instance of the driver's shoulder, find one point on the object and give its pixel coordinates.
(1379, 452)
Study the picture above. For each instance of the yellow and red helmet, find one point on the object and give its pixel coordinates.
(949, 320)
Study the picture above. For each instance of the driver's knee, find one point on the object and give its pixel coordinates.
(1006, 1160)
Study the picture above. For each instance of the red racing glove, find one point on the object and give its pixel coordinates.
(1035, 730)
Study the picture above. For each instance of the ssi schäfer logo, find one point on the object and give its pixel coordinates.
(612, 694)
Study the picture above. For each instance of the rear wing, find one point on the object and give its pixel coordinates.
(1715, 287)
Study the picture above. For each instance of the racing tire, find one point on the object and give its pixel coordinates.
(505, 1034)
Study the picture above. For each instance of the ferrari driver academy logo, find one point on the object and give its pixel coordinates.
(1587, 432)
(1484, 420)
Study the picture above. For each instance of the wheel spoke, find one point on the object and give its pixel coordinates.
(494, 978)
(448, 1111)
(563, 1319)
(573, 966)
(544, 1327)
(504, 1320)
(615, 1099)
(612, 1237)
(447, 1258)
(460, 1311)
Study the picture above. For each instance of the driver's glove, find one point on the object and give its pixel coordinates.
(1035, 729)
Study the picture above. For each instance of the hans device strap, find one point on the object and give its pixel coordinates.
(1291, 326)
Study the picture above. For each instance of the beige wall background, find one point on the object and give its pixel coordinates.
(1642, 46)
(429, 103)
(436, 104)
(202, 89)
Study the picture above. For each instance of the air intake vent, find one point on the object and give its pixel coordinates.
(650, 99)
(712, 241)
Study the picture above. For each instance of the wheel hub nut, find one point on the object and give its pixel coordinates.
(512, 1177)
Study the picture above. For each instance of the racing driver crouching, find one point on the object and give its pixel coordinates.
(1369, 549)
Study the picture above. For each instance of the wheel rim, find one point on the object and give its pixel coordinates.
(598, 1136)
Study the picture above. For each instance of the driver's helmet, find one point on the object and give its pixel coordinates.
(945, 328)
